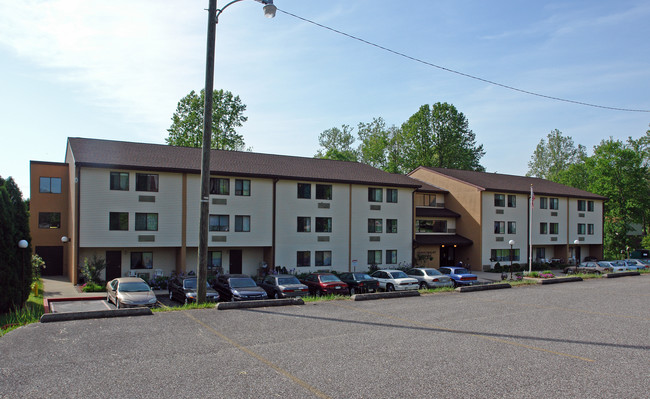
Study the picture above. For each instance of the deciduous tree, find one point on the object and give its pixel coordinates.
(554, 155)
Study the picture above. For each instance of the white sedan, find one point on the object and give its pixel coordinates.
(394, 280)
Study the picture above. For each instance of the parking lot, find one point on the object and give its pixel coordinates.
(582, 340)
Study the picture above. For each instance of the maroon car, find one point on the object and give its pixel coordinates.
(324, 284)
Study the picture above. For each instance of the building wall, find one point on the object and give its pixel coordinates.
(500, 241)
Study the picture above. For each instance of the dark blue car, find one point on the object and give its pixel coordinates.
(459, 275)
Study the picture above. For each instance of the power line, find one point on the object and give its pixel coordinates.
(458, 72)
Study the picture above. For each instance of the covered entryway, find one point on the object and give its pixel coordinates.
(427, 246)
(235, 261)
(53, 258)
(113, 265)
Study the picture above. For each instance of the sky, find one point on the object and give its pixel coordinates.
(117, 69)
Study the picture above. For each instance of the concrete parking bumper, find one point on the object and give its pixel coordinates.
(384, 295)
(97, 314)
(483, 287)
(260, 304)
(621, 274)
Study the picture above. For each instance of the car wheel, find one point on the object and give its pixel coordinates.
(568, 271)
(352, 291)
(389, 288)
(423, 286)
(276, 295)
(186, 301)
(108, 298)
(171, 296)
(455, 283)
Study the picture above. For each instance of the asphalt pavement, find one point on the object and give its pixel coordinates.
(587, 339)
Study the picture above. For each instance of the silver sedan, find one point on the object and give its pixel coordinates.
(130, 292)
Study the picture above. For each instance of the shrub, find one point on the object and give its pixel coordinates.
(37, 266)
(160, 283)
(92, 287)
(93, 268)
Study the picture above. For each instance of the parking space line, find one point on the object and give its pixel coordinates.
(262, 359)
(478, 335)
(532, 305)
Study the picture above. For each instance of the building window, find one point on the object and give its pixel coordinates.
(303, 259)
(49, 220)
(119, 181)
(512, 227)
(512, 201)
(540, 253)
(555, 228)
(543, 228)
(146, 222)
(425, 200)
(543, 203)
(243, 187)
(304, 190)
(323, 225)
(499, 200)
(141, 260)
(590, 206)
(374, 257)
(242, 223)
(146, 182)
(374, 225)
(304, 224)
(499, 227)
(590, 229)
(554, 203)
(219, 223)
(324, 191)
(50, 185)
(214, 260)
(375, 194)
(391, 225)
(582, 229)
(391, 256)
(118, 221)
(431, 226)
(323, 258)
(503, 255)
(582, 206)
(391, 195)
(219, 186)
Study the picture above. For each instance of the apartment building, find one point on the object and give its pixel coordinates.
(493, 209)
(137, 206)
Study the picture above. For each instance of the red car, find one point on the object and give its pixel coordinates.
(324, 284)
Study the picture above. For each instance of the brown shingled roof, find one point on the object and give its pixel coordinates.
(514, 184)
(159, 157)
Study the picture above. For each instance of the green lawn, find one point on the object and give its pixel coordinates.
(30, 313)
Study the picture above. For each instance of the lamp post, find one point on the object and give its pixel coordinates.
(576, 256)
(213, 19)
(22, 244)
(511, 242)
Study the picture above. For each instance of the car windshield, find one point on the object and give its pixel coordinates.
(604, 264)
(398, 275)
(288, 280)
(328, 278)
(134, 286)
(190, 284)
(242, 282)
(432, 272)
(461, 270)
(362, 276)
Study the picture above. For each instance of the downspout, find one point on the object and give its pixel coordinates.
(273, 222)
(350, 228)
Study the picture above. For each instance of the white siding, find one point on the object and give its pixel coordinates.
(517, 214)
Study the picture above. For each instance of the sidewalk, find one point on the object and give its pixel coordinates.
(61, 287)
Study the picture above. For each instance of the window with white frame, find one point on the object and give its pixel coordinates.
(50, 185)
(323, 258)
(303, 258)
(499, 200)
(391, 195)
(391, 256)
(512, 227)
(512, 201)
(242, 187)
(374, 225)
(375, 194)
(499, 227)
(323, 225)
(242, 223)
(219, 223)
(304, 224)
(146, 221)
(374, 257)
(391, 225)
(219, 186)
(146, 182)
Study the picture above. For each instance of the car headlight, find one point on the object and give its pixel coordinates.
(153, 300)
(191, 295)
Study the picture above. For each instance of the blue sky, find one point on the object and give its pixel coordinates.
(117, 69)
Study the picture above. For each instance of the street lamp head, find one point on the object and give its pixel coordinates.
(64, 239)
(23, 244)
(511, 242)
(269, 9)
(576, 242)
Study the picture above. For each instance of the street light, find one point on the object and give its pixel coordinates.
(22, 244)
(511, 242)
(575, 253)
(213, 20)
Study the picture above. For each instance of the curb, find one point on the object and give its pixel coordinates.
(384, 295)
(557, 280)
(97, 314)
(485, 287)
(264, 303)
(47, 301)
(621, 274)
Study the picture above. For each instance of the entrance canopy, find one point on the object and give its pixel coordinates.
(442, 239)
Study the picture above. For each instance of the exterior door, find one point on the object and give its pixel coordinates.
(53, 258)
(113, 265)
(235, 261)
(447, 256)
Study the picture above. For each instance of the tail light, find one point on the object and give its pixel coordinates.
(435, 280)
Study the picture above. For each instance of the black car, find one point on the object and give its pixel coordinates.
(359, 282)
(283, 286)
(183, 289)
(238, 287)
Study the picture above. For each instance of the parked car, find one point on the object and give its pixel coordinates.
(325, 283)
(429, 277)
(459, 275)
(635, 264)
(132, 292)
(587, 267)
(395, 280)
(283, 286)
(614, 265)
(184, 289)
(359, 282)
(238, 287)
